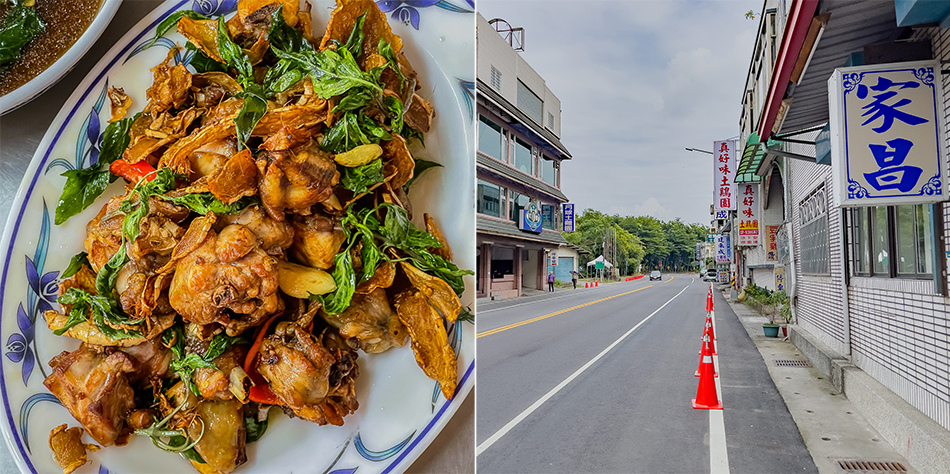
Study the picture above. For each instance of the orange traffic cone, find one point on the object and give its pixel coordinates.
(709, 332)
(705, 351)
(709, 303)
(597, 283)
(586, 284)
(706, 398)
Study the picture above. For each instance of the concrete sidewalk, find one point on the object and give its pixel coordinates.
(833, 429)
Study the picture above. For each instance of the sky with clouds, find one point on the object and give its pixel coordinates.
(639, 81)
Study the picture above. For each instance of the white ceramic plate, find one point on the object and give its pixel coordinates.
(401, 410)
(64, 64)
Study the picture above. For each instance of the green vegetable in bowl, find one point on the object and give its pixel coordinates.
(19, 27)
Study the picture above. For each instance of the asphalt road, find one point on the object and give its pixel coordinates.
(601, 380)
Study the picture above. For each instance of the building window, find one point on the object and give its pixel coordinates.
(523, 158)
(530, 103)
(490, 199)
(549, 171)
(489, 138)
(813, 212)
(892, 241)
(516, 202)
(496, 79)
(550, 121)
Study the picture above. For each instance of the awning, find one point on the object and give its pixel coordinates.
(752, 157)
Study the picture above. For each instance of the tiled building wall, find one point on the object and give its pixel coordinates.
(819, 296)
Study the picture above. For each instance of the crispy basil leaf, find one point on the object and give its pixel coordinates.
(374, 131)
(332, 72)
(221, 343)
(466, 315)
(355, 100)
(395, 111)
(281, 76)
(233, 55)
(344, 135)
(115, 139)
(101, 308)
(20, 25)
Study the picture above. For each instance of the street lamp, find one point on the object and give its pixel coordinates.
(698, 150)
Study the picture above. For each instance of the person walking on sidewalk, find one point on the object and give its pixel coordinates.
(574, 278)
(551, 282)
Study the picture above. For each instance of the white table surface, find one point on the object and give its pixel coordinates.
(453, 451)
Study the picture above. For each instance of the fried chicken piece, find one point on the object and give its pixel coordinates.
(273, 236)
(94, 387)
(226, 279)
(294, 180)
(317, 239)
(371, 321)
(314, 376)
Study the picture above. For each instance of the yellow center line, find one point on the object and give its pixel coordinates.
(522, 323)
(671, 279)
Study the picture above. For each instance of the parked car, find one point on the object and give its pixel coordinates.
(656, 275)
(710, 274)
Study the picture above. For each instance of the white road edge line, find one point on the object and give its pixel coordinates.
(718, 453)
(528, 411)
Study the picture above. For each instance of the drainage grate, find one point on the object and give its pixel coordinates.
(791, 363)
(871, 467)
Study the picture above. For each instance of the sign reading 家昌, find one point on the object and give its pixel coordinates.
(887, 133)
(723, 249)
(724, 176)
(748, 214)
(553, 259)
(567, 218)
(529, 218)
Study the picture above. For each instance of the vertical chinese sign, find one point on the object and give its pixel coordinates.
(779, 278)
(723, 249)
(887, 133)
(748, 203)
(567, 222)
(724, 176)
(771, 243)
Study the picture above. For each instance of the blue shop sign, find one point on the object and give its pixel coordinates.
(567, 215)
(886, 128)
(529, 218)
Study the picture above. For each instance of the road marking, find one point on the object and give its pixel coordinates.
(483, 311)
(528, 321)
(671, 279)
(718, 454)
(534, 406)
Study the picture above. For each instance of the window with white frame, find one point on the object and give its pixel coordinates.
(489, 138)
(892, 241)
(813, 217)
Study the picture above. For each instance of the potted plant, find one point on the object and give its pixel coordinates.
(763, 302)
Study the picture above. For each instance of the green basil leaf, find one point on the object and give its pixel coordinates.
(115, 139)
(386, 50)
(421, 166)
(75, 264)
(374, 131)
(284, 36)
(221, 343)
(254, 107)
(82, 188)
(254, 429)
(109, 273)
(205, 203)
(355, 100)
(361, 178)
(233, 55)
(344, 135)
(395, 112)
(171, 22)
(192, 455)
(20, 25)
(354, 44)
(201, 62)
(343, 275)
(332, 72)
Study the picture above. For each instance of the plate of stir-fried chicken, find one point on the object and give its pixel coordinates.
(244, 245)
